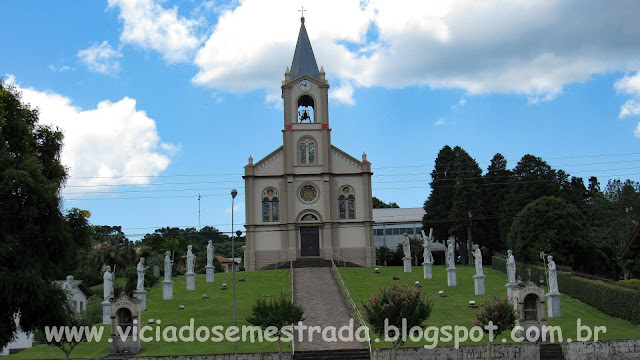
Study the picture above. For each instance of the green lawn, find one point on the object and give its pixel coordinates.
(217, 310)
(453, 309)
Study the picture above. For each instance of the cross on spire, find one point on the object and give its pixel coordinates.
(302, 11)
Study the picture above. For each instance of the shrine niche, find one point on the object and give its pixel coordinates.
(125, 325)
(529, 303)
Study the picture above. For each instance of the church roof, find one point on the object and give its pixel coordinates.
(304, 62)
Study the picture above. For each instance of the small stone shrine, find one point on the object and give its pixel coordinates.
(529, 303)
(125, 326)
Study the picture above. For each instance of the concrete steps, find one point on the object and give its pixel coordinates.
(551, 352)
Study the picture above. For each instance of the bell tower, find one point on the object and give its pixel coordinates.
(305, 92)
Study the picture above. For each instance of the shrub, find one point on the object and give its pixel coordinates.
(393, 304)
(499, 312)
(631, 284)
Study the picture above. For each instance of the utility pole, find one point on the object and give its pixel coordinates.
(199, 227)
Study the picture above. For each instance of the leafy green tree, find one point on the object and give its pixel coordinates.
(91, 315)
(379, 204)
(275, 312)
(495, 312)
(532, 179)
(112, 248)
(393, 304)
(552, 225)
(384, 255)
(34, 243)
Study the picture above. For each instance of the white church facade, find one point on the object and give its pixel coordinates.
(307, 199)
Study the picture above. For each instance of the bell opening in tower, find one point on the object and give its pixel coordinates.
(305, 109)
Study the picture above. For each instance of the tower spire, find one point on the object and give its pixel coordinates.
(304, 62)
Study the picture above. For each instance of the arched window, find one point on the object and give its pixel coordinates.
(309, 217)
(305, 109)
(346, 203)
(307, 150)
(270, 205)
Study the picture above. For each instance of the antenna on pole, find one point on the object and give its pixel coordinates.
(199, 227)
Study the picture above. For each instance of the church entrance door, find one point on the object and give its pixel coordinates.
(309, 241)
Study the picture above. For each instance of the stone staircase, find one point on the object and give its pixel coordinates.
(348, 354)
(321, 298)
(312, 263)
(551, 352)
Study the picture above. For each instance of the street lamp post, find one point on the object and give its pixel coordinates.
(234, 192)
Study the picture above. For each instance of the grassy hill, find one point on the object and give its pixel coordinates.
(217, 310)
(454, 310)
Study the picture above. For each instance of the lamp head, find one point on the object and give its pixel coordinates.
(234, 192)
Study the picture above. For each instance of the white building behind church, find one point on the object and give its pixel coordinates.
(307, 199)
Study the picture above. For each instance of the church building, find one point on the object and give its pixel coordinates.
(307, 199)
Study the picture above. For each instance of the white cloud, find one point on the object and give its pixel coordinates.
(439, 122)
(629, 84)
(105, 144)
(101, 58)
(462, 102)
(63, 68)
(630, 108)
(238, 208)
(491, 46)
(150, 26)
(343, 93)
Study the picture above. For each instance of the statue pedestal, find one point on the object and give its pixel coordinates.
(191, 281)
(142, 296)
(427, 270)
(407, 264)
(510, 287)
(106, 312)
(553, 305)
(167, 290)
(478, 281)
(210, 272)
(452, 279)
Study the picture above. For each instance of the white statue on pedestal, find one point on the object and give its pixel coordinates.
(189, 259)
(140, 268)
(511, 268)
(168, 264)
(406, 246)
(67, 286)
(209, 254)
(552, 274)
(477, 255)
(426, 243)
(108, 283)
(451, 253)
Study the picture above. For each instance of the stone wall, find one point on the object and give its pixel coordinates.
(605, 349)
(471, 352)
(258, 356)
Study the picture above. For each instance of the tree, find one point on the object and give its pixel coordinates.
(393, 304)
(498, 313)
(91, 315)
(438, 205)
(496, 183)
(277, 312)
(384, 255)
(552, 225)
(33, 238)
(379, 204)
(532, 179)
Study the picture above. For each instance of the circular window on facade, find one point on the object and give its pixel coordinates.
(308, 193)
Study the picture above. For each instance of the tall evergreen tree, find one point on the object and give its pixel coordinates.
(438, 205)
(496, 184)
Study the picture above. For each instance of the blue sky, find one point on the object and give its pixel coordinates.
(163, 100)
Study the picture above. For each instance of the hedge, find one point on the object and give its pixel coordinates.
(611, 299)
